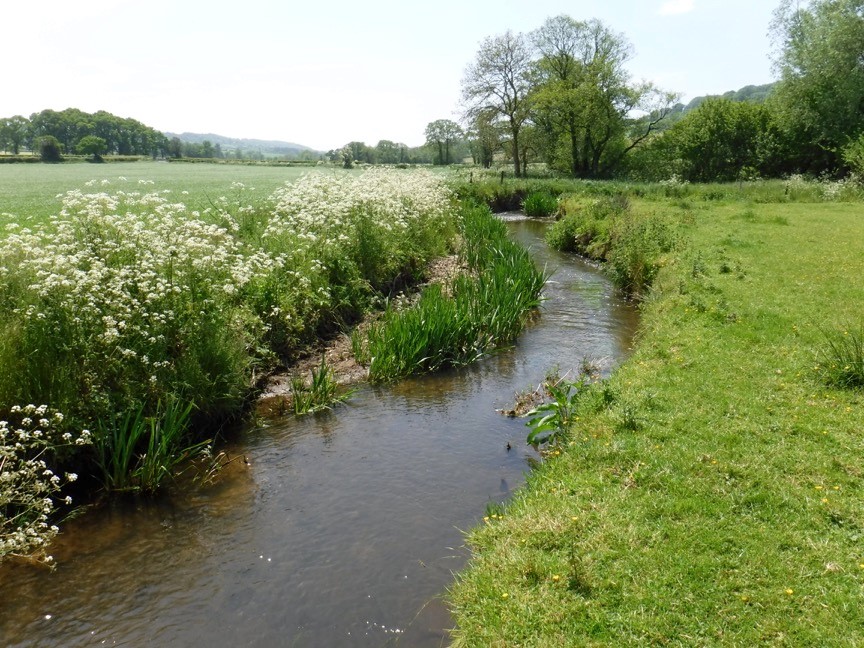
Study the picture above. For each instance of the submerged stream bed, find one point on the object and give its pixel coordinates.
(344, 529)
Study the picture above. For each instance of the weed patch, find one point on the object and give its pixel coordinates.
(842, 357)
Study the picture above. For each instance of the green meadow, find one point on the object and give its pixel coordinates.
(28, 191)
(709, 492)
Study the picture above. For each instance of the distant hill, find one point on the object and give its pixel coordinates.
(754, 93)
(267, 148)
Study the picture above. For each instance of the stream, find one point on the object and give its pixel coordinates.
(344, 529)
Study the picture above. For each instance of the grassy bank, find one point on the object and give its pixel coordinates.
(711, 493)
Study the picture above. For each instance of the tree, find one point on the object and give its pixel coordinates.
(358, 152)
(347, 156)
(821, 90)
(387, 152)
(583, 101)
(92, 145)
(498, 84)
(175, 147)
(49, 148)
(484, 139)
(441, 134)
(13, 132)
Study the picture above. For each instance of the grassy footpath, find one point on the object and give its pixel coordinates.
(718, 497)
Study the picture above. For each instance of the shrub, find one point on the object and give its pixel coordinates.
(587, 229)
(49, 148)
(607, 230)
(638, 245)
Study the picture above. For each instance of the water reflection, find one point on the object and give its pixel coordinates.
(345, 527)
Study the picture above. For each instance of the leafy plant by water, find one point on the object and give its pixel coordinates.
(551, 421)
(321, 393)
(137, 452)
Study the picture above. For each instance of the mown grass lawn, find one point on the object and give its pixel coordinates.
(719, 498)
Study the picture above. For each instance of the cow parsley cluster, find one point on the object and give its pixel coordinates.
(29, 487)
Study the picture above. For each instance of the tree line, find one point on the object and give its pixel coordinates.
(74, 131)
(561, 95)
(393, 153)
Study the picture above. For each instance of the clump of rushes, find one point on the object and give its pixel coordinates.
(140, 453)
(321, 393)
(480, 311)
(842, 357)
(540, 203)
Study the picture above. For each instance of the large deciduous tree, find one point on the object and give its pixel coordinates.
(820, 61)
(441, 134)
(92, 145)
(498, 83)
(583, 99)
(13, 132)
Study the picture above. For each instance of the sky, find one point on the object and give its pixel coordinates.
(323, 74)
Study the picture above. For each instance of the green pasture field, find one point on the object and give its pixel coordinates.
(29, 191)
(711, 493)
